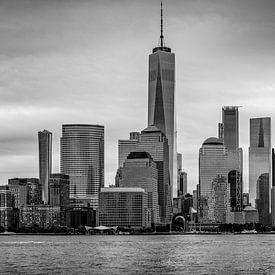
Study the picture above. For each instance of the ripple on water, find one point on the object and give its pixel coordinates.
(168, 254)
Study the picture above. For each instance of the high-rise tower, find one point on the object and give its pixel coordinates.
(229, 134)
(45, 162)
(259, 155)
(82, 158)
(161, 99)
(213, 169)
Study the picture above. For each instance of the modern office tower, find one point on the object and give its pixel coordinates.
(229, 132)
(161, 99)
(25, 191)
(259, 153)
(45, 162)
(6, 207)
(59, 194)
(230, 121)
(139, 170)
(153, 141)
(262, 198)
(82, 158)
(273, 189)
(213, 161)
(182, 188)
(126, 146)
(218, 203)
(124, 206)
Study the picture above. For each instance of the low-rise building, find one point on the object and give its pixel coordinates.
(41, 216)
(124, 206)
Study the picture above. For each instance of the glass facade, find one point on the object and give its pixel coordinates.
(230, 120)
(161, 101)
(262, 198)
(82, 158)
(45, 162)
(126, 207)
(140, 170)
(153, 141)
(259, 154)
(126, 146)
(213, 161)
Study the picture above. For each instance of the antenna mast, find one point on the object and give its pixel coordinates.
(161, 26)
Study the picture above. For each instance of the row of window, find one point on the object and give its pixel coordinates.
(166, 74)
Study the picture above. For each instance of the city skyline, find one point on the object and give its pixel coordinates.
(67, 80)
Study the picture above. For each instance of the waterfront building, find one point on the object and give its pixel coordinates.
(213, 160)
(161, 100)
(59, 194)
(153, 141)
(45, 162)
(25, 191)
(229, 132)
(139, 170)
(126, 146)
(124, 206)
(41, 216)
(81, 216)
(259, 154)
(6, 207)
(251, 215)
(82, 158)
(262, 199)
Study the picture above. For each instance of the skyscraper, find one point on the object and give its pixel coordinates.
(139, 170)
(60, 193)
(153, 141)
(262, 198)
(82, 158)
(161, 99)
(229, 133)
(259, 154)
(213, 160)
(126, 146)
(45, 162)
(230, 128)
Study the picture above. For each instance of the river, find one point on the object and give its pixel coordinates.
(148, 254)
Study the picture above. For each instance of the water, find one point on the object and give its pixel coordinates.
(168, 254)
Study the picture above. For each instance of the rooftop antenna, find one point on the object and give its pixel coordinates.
(161, 26)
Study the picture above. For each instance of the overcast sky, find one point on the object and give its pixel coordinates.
(87, 62)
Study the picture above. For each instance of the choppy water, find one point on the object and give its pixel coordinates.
(168, 254)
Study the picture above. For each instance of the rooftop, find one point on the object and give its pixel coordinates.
(212, 141)
(122, 190)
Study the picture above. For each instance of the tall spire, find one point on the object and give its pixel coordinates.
(161, 26)
(161, 46)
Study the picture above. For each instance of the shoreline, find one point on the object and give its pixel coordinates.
(140, 234)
